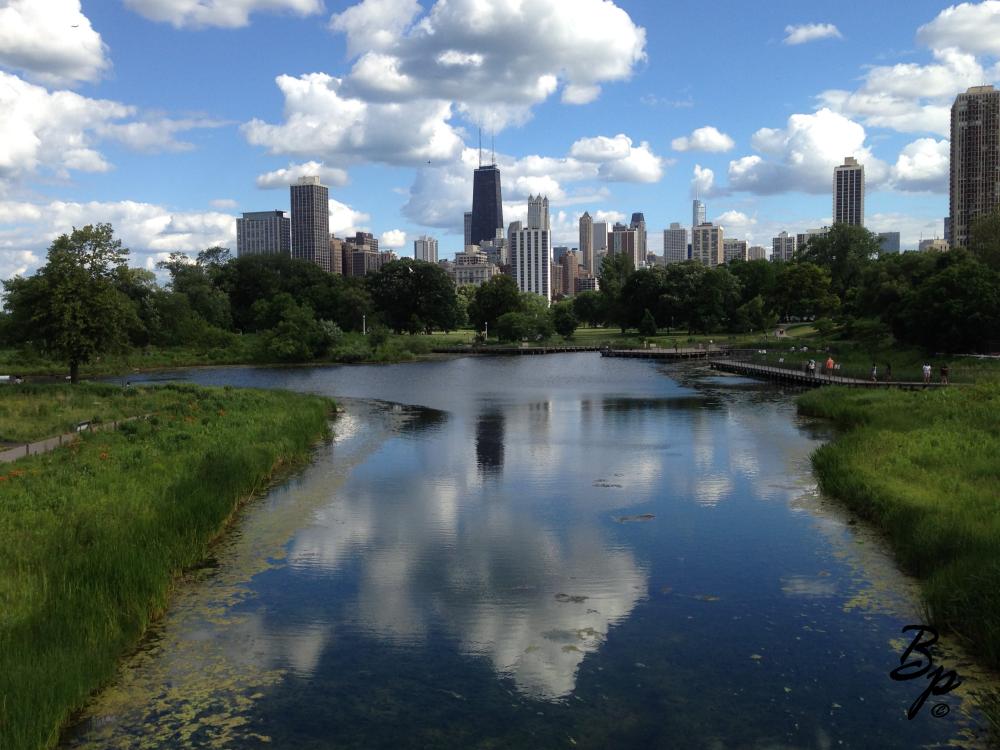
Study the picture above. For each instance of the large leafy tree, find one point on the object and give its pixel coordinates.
(615, 271)
(845, 251)
(73, 307)
(415, 296)
(804, 290)
(494, 298)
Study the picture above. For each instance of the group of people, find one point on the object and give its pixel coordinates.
(944, 373)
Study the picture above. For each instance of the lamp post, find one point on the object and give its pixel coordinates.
(364, 324)
(486, 335)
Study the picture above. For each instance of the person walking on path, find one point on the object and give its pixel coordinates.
(812, 367)
(927, 374)
(874, 373)
(944, 374)
(829, 365)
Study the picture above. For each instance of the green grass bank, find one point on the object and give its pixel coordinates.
(924, 467)
(93, 535)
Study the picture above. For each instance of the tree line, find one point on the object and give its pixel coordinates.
(86, 300)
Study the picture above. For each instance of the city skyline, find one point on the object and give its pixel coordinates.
(762, 162)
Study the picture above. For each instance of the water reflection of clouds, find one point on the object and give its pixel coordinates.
(495, 584)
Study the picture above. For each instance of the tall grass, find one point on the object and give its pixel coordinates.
(32, 412)
(924, 467)
(92, 536)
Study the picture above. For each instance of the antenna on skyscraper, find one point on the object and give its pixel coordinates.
(480, 146)
(493, 146)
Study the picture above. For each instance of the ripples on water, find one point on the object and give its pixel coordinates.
(562, 551)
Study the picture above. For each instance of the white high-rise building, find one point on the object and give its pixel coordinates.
(698, 213)
(675, 244)
(531, 250)
(425, 248)
(587, 242)
(849, 193)
(783, 247)
(311, 222)
(707, 244)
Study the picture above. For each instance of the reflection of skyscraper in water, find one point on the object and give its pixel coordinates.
(489, 442)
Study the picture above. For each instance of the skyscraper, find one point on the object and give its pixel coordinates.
(625, 241)
(311, 222)
(599, 241)
(888, 242)
(697, 213)
(468, 229)
(531, 250)
(783, 247)
(975, 160)
(263, 233)
(849, 193)
(587, 242)
(425, 248)
(638, 223)
(675, 242)
(707, 244)
(487, 204)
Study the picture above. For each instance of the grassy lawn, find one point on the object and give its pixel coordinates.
(32, 412)
(924, 467)
(92, 535)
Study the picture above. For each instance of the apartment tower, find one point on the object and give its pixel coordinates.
(975, 160)
(311, 222)
(849, 193)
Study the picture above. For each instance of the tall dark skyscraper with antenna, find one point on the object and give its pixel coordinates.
(487, 201)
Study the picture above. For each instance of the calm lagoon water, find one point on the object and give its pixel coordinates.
(538, 552)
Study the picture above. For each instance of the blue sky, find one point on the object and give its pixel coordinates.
(166, 117)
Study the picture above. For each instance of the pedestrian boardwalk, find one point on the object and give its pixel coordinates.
(692, 353)
(512, 350)
(787, 375)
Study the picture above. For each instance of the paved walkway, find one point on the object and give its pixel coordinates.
(50, 444)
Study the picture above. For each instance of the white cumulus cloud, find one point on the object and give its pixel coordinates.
(393, 239)
(971, 27)
(52, 42)
(221, 13)
(148, 230)
(288, 175)
(923, 166)
(702, 182)
(707, 138)
(802, 155)
(344, 220)
(810, 32)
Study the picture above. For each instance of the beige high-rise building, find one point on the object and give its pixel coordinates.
(531, 250)
(625, 241)
(733, 249)
(757, 252)
(849, 193)
(587, 242)
(783, 247)
(707, 244)
(675, 244)
(975, 160)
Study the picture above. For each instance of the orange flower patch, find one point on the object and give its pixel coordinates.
(104, 455)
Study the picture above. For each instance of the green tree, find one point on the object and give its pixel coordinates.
(588, 308)
(492, 299)
(641, 293)
(615, 270)
(564, 319)
(72, 307)
(197, 281)
(414, 296)
(647, 326)
(682, 285)
(514, 326)
(804, 290)
(985, 243)
(845, 251)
